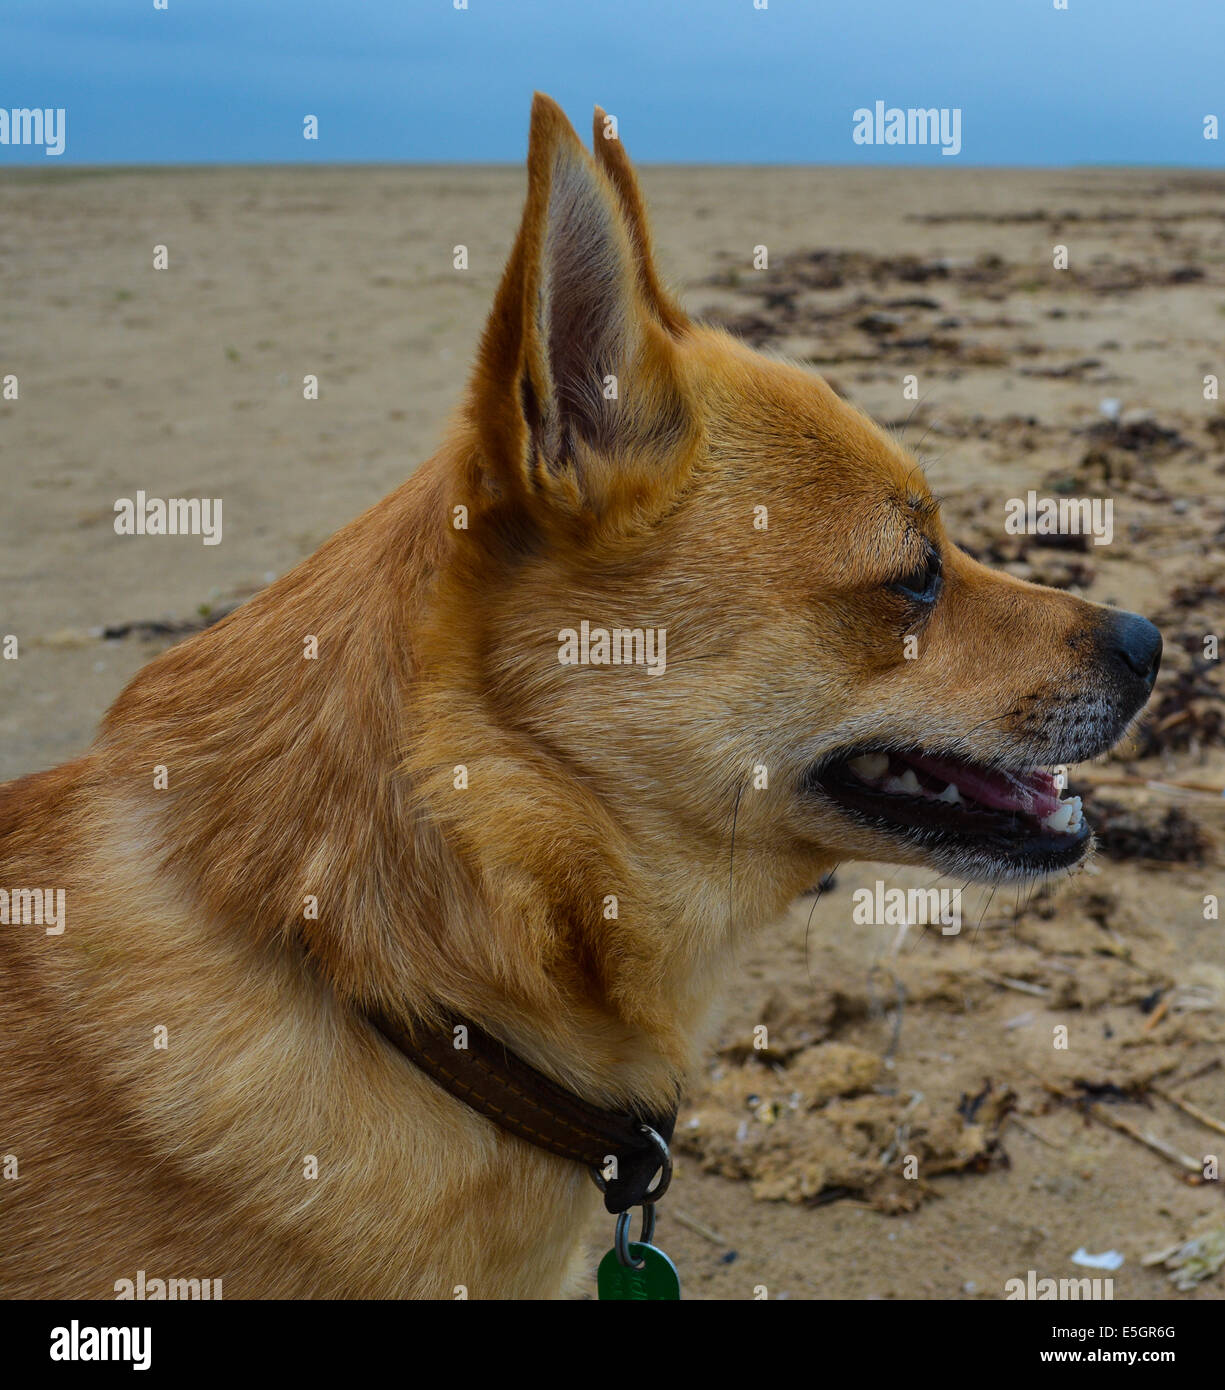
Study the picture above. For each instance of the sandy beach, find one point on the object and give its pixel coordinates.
(1086, 381)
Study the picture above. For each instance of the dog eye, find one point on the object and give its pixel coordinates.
(922, 585)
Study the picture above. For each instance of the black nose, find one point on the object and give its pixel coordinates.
(1137, 644)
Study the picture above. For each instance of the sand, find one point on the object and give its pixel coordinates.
(189, 382)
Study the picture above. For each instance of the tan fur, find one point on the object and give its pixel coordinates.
(335, 777)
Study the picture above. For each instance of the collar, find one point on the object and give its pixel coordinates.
(624, 1149)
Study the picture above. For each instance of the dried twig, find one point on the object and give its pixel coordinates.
(1150, 1141)
(693, 1224)
(1022, 986)
(1212, 1064)
(1157, 1015)
(1033, 1133)
(1188, 1109)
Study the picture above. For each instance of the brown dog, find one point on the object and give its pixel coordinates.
(654, 585)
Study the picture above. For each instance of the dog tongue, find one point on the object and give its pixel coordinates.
(1035, 793)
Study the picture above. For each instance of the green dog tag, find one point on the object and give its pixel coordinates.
(656, 1279)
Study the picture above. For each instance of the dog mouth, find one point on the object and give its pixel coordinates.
(1001, 821)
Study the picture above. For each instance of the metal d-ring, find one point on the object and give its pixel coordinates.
(653, 1194)
(621, 1240)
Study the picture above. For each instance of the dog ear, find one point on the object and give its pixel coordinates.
(611, 156)
(576, 397)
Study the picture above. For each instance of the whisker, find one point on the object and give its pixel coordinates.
(731, 861)
(901, 439)
(820, 893)
(983, 914)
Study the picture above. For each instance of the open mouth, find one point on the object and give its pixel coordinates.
(1014, 820)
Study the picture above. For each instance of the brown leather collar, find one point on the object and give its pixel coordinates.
(488, 1076)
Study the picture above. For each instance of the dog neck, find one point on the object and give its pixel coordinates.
(313, 800)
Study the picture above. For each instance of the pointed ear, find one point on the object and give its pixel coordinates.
(611, 157)
(575, 392)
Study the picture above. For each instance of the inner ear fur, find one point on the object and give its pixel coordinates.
(576, 389)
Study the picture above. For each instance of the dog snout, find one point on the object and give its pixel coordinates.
(1133, 645)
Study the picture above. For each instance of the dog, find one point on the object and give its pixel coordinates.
(665, 630)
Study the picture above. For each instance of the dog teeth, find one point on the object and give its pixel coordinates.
(951, 794)
(1065, 819)
(907, 784)
(870, 766)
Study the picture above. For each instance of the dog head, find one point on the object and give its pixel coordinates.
(698, 598)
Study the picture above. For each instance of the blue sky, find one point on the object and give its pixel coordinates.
(229, 81)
